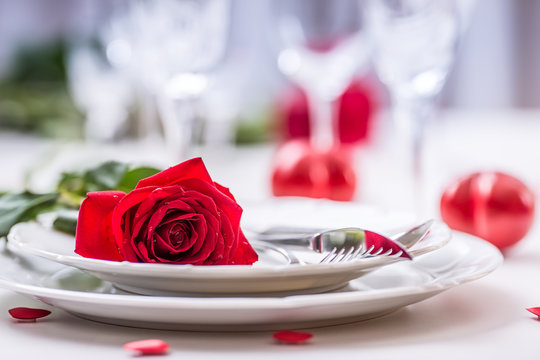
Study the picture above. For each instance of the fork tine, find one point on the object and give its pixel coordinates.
(357, 253)
(337, 256)
(328, 256)
(342, 255)
(346, 255)
(368, 251)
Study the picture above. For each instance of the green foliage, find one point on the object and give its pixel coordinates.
(112, 175)
(42, 63)
(257, 128)
(71, 191)
(34, 96)
(66, 221)
(24, 206)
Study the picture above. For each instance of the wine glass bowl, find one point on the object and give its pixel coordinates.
(321, 46)
(414, 44)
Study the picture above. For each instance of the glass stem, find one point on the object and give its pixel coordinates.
(177, 120)
(411, 117)
(321, 114)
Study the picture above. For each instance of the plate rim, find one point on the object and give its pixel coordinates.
(170, 271)
(252, 302)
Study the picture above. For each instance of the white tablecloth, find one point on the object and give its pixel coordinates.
(485, 319)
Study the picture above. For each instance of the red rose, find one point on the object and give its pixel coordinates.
(178, 216)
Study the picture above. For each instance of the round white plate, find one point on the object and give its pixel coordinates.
(387, 289)
(271, 274)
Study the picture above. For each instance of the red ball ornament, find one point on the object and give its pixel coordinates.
(354, 120)
(492, 205)
(301, 170)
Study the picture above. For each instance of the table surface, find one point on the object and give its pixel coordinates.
(485, 319)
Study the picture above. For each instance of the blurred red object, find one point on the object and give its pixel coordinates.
(301, 170)
(492, 205)
(356, 106)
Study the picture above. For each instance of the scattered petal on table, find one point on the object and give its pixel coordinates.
(535, 311)
(148, 347)
(24, 313)
(292, 337)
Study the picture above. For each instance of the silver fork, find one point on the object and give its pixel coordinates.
(348, 244)
(340, 255)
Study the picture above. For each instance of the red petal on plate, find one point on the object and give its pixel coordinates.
(148, 347)
(24, 313)
(292, 337)
(535, 311)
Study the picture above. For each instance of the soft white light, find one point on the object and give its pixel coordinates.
(186, 85)
(289, 62)
(119, 52)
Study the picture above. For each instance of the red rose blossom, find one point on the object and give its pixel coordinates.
(178, 216)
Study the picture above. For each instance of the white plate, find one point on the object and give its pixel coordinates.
(387, 289)
(271, 274)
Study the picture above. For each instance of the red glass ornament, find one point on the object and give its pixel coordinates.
(492, 205)
(356, 107)
(148, 347)
(292, 337)
(301, 170)
(27, 314)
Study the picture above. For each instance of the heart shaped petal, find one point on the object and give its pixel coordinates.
(148, 347)
(24, 313)
(535, 311)
(292, 337)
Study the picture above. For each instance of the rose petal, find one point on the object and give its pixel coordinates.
(148, 347)
(230, 213)
(24, 313)
(94, 237)
(163, 248)
(244, 253)
(123, 238)
(292, 337)
(535, 311)
(190, 169)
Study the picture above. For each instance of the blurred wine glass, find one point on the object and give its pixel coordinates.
(321, 46)
(169, 48)
(415, 43)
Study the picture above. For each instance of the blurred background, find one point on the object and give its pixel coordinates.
(107, 72)
(496, 65)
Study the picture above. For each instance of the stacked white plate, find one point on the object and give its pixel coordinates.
(272, 294)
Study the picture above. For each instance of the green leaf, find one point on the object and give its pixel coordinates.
(66, 221)
(132, 177)
(20, 207)
(106, 176)
(111, 175)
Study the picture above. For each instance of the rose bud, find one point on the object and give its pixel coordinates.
(492, 205)
(178, 216)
